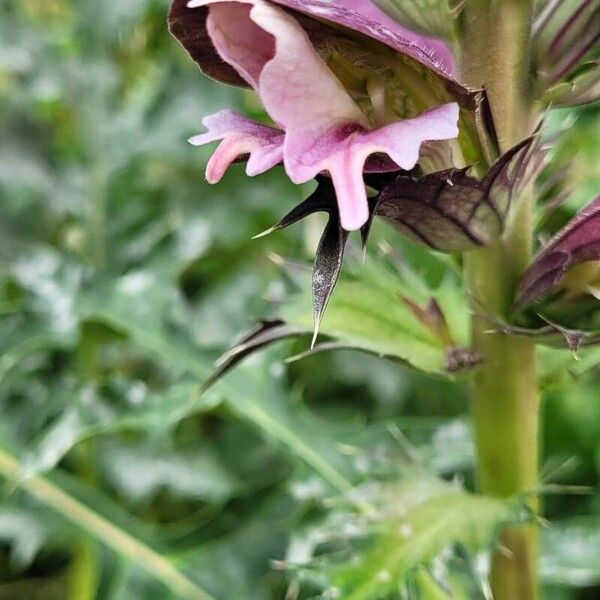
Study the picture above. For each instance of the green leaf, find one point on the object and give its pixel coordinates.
(426, 517)
(247, 392)
(121, 541)
(428, 588)
(355, 317)
(26, 529)
(89, 415)
(415, 522)
(197, 476)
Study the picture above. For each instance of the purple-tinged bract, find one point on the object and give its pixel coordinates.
(576, 246)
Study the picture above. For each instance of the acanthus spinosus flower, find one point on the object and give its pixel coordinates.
(333, 111)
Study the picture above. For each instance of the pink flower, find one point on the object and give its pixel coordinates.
(318, 126)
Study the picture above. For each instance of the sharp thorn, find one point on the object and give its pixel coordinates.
(315, 334)
(264, 233)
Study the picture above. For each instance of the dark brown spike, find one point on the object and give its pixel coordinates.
(321, 200)
(328, 263)
(267, 332)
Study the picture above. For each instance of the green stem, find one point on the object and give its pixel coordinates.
(505, 400)
(122, 542)
(83, 582)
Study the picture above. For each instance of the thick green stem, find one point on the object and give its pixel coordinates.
(505, 413)
(505, 401)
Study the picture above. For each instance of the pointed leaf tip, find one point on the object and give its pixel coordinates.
(321, 200)
(313, 341)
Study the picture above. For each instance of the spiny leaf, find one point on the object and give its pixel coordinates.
(330, 252)
(354, 319)
(264, 334)
(553, 335)
(412, 329)
(426, 530)
(413, 522)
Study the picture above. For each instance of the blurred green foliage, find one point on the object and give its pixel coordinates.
(123, 276)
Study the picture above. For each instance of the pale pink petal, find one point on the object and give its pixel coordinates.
(342, 151)
(240, 136)
(269, 48)
(296, 86)
(190, 28)
(239, 41)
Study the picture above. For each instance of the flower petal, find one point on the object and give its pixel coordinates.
(317, 136)
(241, 136)
(296, 86)
(239, 41)
(343, 149)
(334, 29)
(274, 54)
(325, 130)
